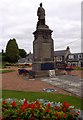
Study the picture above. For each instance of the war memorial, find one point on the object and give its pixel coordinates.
(43, 46)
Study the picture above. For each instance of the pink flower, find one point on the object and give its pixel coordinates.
(78, 113)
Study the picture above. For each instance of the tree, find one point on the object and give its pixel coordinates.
(12, 51)
(22, 53)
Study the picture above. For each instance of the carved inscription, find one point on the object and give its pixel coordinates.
(46, 50)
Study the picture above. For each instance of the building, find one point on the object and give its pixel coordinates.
(60, 57)
(75, 59)
(27, 59)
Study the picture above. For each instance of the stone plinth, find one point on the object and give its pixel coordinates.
(43, 50)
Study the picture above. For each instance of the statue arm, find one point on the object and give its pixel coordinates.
(38, 12)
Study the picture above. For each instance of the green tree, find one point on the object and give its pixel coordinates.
(12, 51)
(22, 53)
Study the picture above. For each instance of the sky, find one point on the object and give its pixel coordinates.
(18, 19)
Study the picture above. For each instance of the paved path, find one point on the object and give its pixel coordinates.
(14, 81)
(62, 83)
(69, 83)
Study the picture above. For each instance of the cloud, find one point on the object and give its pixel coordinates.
(18, 20)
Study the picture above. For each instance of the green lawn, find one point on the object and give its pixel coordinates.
(6, 71)
(32, 96)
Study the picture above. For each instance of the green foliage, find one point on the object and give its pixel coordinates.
(3, 57)
(12, 51)
(22, 53)
(14, 109)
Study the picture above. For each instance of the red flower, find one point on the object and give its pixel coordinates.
(32, 118)
(56, 114)
(64, 109)
(57, 108)
(13, 104)
(32, 105)
(47, 110)
(25, 101)
(23, 107)
(49, 105)
(3, 109)
(4, 102)
(18, 119)
(38, 106)
(64, 115)
(66, 105)
(71, 108)
(71, 113)
(37, 102)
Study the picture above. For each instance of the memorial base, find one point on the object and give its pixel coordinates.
(41, 69)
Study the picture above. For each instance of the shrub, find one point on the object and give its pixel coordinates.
(13, 109)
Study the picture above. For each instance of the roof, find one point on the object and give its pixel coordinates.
(60, 53)
(30, 56)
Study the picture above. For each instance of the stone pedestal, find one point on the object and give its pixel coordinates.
(43, 51)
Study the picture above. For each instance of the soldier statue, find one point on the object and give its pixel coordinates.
(41, 15)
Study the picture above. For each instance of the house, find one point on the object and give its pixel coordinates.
(60, 57)
(27, 59)
(75, 59)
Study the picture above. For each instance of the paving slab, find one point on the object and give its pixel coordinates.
(69, 83)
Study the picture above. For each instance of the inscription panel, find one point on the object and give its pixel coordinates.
(46, 50)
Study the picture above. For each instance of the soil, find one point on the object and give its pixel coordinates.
(14, 81)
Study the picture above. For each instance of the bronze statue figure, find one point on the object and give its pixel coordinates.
(41, 15)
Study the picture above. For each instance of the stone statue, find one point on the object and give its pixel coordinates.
(41, 15)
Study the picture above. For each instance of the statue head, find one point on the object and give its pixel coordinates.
(40, 4)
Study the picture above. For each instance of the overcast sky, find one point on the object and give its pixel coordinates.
(18, 20)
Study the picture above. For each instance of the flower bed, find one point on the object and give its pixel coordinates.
(13, 109)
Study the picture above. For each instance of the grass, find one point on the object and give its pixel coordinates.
(78, 68)
(32, 96)
(6, 71)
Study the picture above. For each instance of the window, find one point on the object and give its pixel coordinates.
(59, 58)
(71, 56)
(80, 56)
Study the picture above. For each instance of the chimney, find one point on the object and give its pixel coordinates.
(68, 49)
